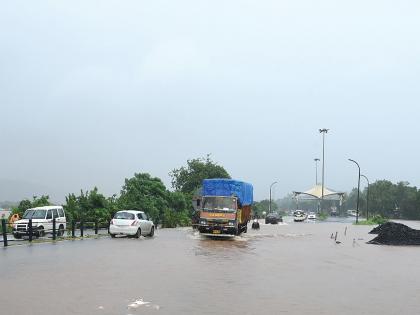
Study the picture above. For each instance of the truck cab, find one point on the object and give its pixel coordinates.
(218, 215)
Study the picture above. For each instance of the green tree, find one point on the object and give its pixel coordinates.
(177, 201)
(72, 208)
(258, 207)
(145, 193)
(26, 204)
(406, 201)
(89, 206)
(188, 179)
(382, 199)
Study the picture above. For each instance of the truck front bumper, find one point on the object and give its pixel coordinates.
(217, 230)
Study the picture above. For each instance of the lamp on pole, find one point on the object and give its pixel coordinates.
(269, 205)
(316, 170)
(358, 190)
(367, 197)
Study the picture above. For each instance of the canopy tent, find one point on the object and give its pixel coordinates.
(316, 193)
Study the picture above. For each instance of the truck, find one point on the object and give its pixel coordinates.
(224, 207)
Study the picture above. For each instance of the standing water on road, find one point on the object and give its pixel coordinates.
(290, 268)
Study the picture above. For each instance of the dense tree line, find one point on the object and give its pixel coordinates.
(388, 200)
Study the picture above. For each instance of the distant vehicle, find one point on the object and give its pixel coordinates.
(42, 221)
(255, 224)
(312, 216)
(131, 223)
(299, 216)
(273, 218)
(352, 213)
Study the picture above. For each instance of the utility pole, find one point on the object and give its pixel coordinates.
(269, 205)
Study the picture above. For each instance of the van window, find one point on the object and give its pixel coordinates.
(55, 213)
(35, 214)
(61, 212)
(49, 214)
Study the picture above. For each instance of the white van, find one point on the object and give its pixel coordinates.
(42, 221)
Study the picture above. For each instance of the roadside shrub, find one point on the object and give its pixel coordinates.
(376, 219)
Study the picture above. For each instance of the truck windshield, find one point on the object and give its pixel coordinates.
(35, 214)
(219, 203)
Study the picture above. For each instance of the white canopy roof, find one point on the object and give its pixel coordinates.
(316, 193)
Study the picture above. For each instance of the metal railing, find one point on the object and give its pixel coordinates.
(31, 231)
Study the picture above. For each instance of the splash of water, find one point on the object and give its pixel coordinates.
(137, 303)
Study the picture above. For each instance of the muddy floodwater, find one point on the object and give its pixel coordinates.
(290, 268)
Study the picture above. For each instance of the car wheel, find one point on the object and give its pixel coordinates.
(40, 232)
(17, 236)
(138, 233)
(112, 235)
(60, 231)
(152, 232)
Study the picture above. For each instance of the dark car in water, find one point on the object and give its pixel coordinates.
(273, 218)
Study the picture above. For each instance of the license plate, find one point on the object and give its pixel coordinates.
(216, 231)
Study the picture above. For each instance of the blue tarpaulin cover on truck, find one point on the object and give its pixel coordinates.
(229, 187)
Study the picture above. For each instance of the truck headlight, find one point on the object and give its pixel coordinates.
(231, 223)
(203, 222)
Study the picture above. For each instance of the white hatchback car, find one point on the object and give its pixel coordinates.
(131, 223)
(312, 216)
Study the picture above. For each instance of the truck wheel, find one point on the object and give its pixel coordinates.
(17, 236)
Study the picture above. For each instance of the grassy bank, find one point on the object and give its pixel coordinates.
(375, 220)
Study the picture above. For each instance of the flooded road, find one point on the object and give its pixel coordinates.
(291, 268)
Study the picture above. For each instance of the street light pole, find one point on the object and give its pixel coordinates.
(367, 198)
(269, 205)
(323, 131)
(358, 191)
(316, 170)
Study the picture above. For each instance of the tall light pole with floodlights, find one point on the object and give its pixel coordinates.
(269, 205)
(367, 197)
(323, 131)
(316, 170)
(358, 191)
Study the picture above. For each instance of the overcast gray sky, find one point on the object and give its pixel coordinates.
(93, 91)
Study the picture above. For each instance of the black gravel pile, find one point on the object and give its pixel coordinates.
(392, 233)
